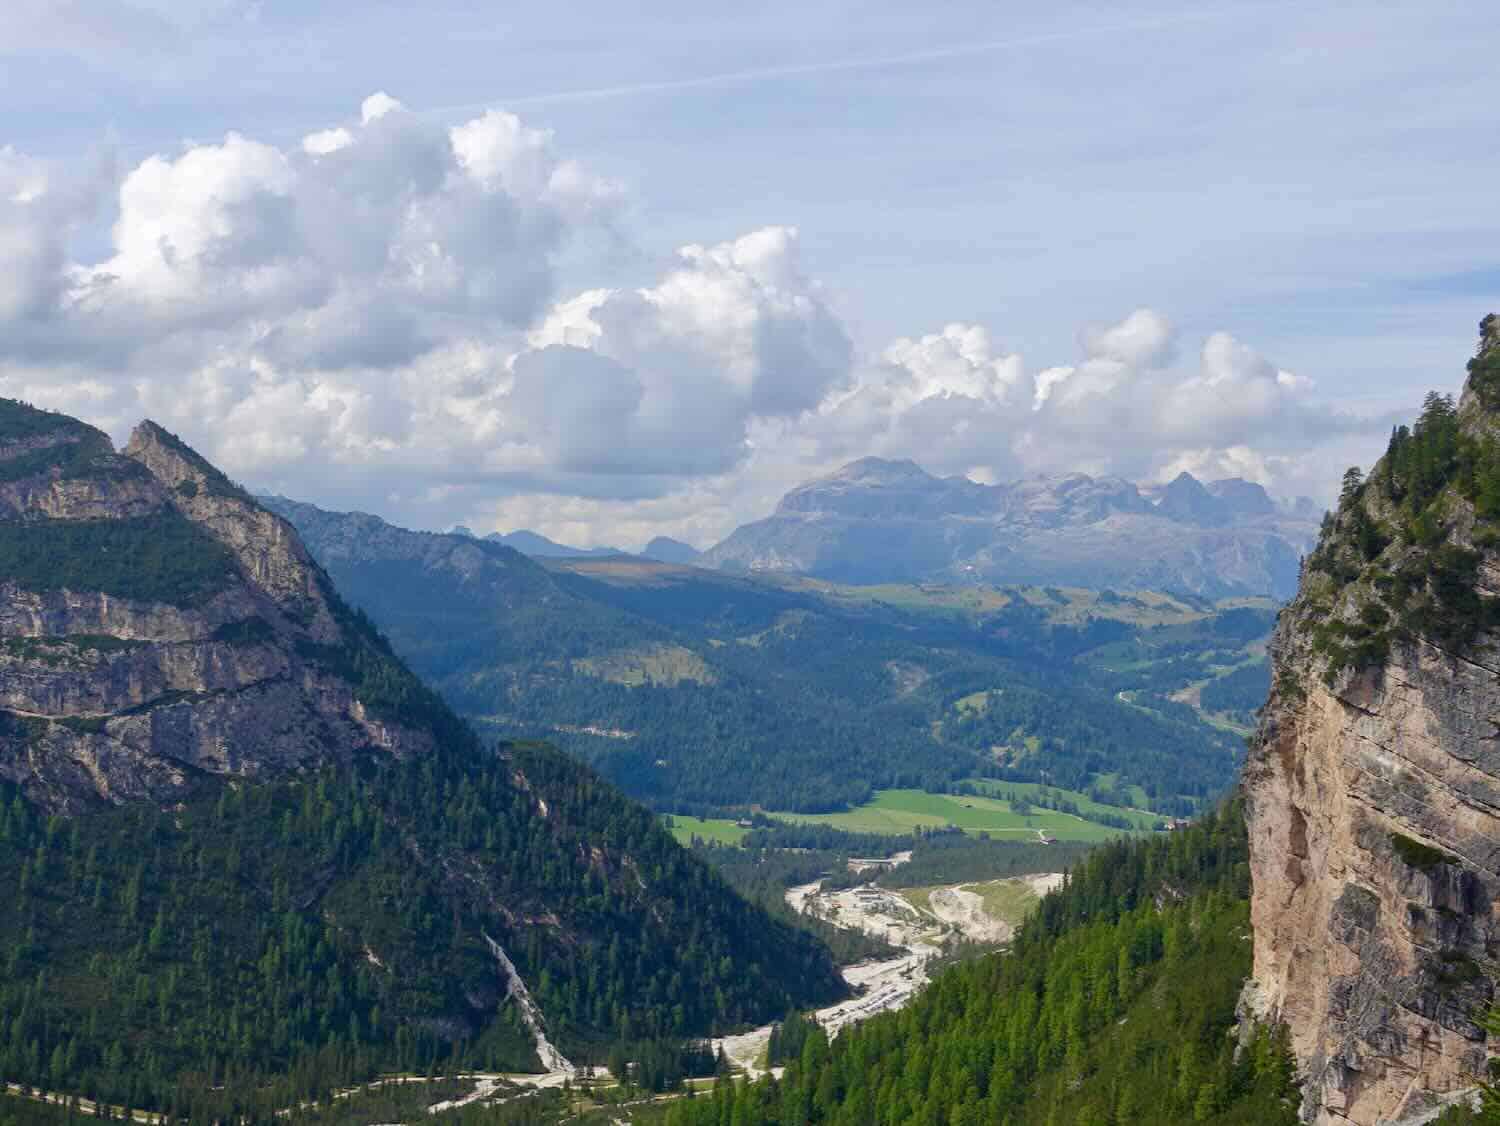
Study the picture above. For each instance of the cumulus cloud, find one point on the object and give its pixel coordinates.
(369, 317)
(341, 300)
(667, 379)
(1127, 406)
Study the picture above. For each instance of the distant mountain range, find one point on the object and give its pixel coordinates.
(663, 549)
(879, 521)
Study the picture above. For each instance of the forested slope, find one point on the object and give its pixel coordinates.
(252, 857)
(699, 691)
(1115, 1005)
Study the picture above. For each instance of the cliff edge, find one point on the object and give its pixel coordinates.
(1373, 787)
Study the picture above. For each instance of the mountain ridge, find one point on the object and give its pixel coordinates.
(262, 858)
(875, 521)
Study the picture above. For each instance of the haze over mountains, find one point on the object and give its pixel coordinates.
(883, 521)
(878, 521)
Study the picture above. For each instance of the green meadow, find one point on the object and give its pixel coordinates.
(724, 832)
(901, 811)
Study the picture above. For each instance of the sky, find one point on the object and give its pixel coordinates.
(609, 273)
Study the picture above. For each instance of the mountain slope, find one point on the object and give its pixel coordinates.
(1375, 782)
(531, 543)
(878, 521)
(1114, 1004)
(698, 689)
(155, 617)
(288, 864)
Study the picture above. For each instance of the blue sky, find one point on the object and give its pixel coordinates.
(1313, 179)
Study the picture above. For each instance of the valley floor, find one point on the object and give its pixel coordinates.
(922, 922)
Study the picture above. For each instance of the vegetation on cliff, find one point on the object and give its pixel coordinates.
(157, 558)
(1400, 558)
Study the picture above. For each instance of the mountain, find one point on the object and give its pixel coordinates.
(1374, 785)
(700, 690)
(155, 616)
(664, 549)
(877, 521)
(532, 543)
(253, 858)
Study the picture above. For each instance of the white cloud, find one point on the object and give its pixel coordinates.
(325, 141)
(666, 380)
(367, 317)
(1144, 339)
(1127, 406)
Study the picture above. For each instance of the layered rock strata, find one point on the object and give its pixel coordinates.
(157, 624)
(1373, 793)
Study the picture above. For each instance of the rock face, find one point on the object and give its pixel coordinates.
(1374, 802)
(156, 624)
(890, 521)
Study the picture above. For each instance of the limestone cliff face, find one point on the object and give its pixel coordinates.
(1374, 796)
(156, 624)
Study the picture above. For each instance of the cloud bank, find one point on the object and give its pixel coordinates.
(371, 316)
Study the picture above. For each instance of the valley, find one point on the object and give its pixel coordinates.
(922, 923)
(713, 695)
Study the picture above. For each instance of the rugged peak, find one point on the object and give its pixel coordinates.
(159, 626)
(874, 485)
(177, 465)
(1188, 501)
(879, 470)
(1243, 498)
(264, 544)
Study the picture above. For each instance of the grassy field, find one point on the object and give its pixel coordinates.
(725, 832)
(1085, 806)
(901, 811)
(650, 664)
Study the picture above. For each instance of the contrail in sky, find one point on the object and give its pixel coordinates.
(906, 58)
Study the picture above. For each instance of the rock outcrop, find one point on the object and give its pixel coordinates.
(1373, 789)
(157, 624)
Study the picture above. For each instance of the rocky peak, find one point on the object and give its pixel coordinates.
(1243, 499)
(157, 625)
(1489, 334)
(1072, 498)
(264, 545)
(1186, 500)
(1373, 787)
(877, 486)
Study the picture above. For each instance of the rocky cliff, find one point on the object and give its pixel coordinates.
(156, 625)
(1374, 786)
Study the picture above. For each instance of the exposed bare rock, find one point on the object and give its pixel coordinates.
(267, 548)
(1374, 808)
(111, 696)
(890, 521)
